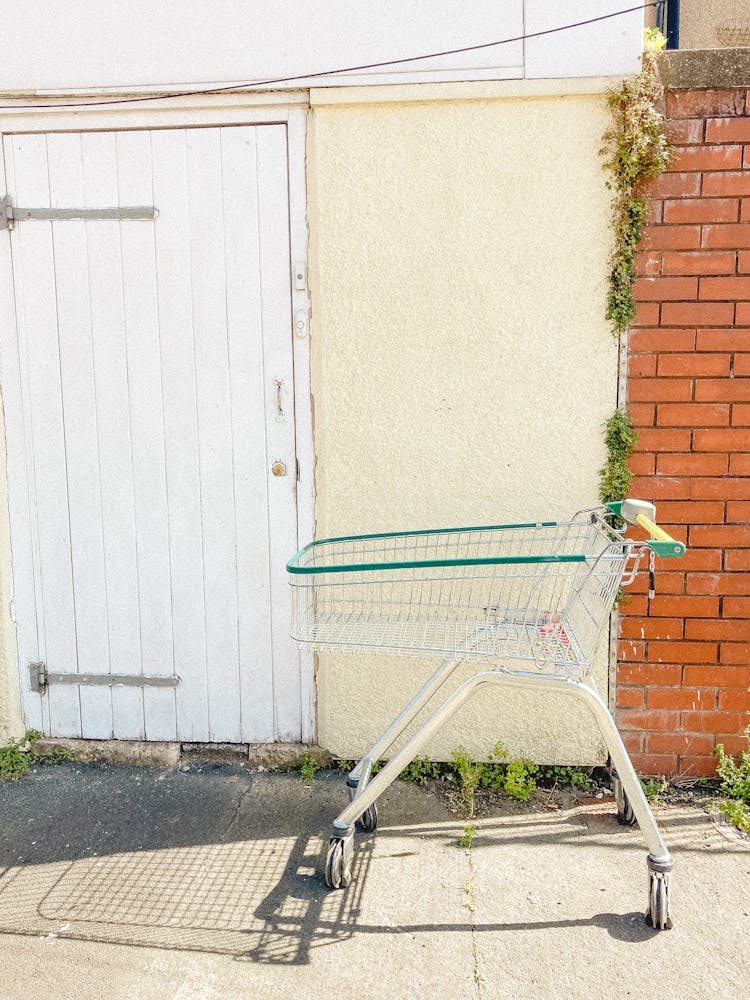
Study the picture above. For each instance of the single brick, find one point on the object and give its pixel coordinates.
(741, 364)
(661, 488)
(661, 721)
(707, 158)
(685, 132)
(745, 210)
(724, 340)
(735, 536)
(692, 743)
(642, 414)
(738, 510)
(653, 765)
(656, 390)
(718, 583)
(649, 673)
(628, 697)
(728, 130)
(734, 698)
(736, 607)
(633, 741)
(647, 314)
(677, 186)
(696, 767)
(701, 210)
(698, 262)
(725, 183)
(671, 238)
(650, 263)
(692, 465)
(743, 260)
(719, 676)
(690, 512)
(735, 652)
(631, 650)
(697, 313)
(701, 560)
(642, 464)
(738, 561)
(692, 415)
(663, 340)
(665, 440)
(705, 103)
(743, 312)
(643, 365)
(725, 629)
(741, 415)
(651, 628)
(717, 390)
(739, 465)
(662, 289)
(714, 722)
(733, 236)
(723, 288)
(727, 439)
(682, 652)
(687, 607)
(737, 488)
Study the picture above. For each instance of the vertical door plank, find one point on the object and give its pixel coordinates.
(37, 260)
(181, 431)
(147, 434)
(251, 461)
(113, 415)
(208, 285)
(81, 438)
(18, 456)
(273, 204)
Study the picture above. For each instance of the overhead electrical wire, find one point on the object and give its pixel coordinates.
(341, 71)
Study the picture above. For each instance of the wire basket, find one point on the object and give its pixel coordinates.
(540, 592)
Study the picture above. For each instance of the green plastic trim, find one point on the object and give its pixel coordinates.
(667, 550)
(431, 531)
(292, 566)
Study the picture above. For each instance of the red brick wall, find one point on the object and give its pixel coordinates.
(684, 669)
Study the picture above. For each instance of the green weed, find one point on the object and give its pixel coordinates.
(307, 768)
(17, 758)
(735, 784)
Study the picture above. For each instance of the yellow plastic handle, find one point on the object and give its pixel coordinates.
(671, 547)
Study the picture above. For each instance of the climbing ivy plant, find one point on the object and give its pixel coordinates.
(635, 149)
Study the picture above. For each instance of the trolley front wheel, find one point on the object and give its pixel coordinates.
(658, 915)
(368, 821)
(337, 874)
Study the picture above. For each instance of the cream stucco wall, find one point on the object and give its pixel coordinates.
(462, 366)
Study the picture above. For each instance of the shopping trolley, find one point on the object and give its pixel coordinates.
(530, 601)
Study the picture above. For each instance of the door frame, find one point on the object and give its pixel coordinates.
(200, 111)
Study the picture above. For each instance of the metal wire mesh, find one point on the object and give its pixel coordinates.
(384, 594)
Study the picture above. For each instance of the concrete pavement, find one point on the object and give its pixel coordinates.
(145, 882)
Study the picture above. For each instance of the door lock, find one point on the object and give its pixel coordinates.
(278, 469)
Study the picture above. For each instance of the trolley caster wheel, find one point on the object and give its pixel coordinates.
(337, 876)
(368, 821)
(625, 814)
(658, 915)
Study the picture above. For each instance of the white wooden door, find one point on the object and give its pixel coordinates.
(148, 391)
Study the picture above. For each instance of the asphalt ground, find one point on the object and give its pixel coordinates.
(204, 882)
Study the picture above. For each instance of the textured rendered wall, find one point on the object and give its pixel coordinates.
(684, 679)
(462, 367)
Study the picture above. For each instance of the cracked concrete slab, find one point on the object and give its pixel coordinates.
(137, 882)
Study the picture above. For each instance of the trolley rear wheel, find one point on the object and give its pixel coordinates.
(368, 821)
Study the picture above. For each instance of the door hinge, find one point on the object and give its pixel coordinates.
(10, 213)
(41, 678)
